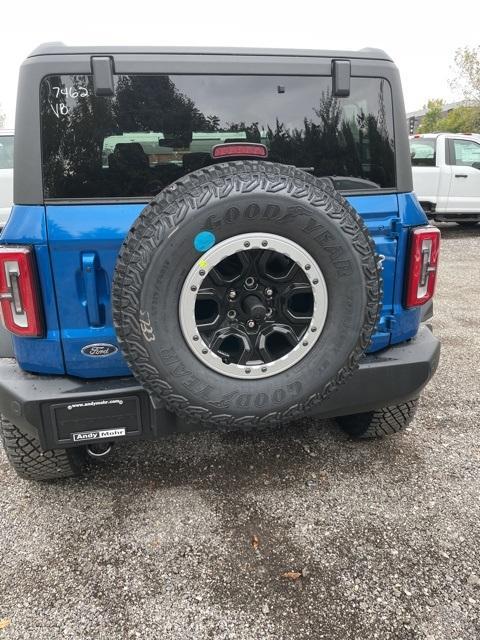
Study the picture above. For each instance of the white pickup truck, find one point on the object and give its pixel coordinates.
(6, 175)
(446, 175)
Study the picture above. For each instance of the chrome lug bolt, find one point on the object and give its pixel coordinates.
(269, 292)
(232, 294)
(251, 324)
(232, 314)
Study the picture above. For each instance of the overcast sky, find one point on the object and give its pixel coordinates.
(420, 36)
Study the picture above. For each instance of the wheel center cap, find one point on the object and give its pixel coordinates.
(255, 308)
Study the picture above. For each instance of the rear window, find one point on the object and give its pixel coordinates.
(422, 152)
(156, 128)
(6, 152)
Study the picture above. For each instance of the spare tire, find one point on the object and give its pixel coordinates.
(245, 293)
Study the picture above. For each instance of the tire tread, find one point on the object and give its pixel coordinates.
(29, 461)
(382, 422)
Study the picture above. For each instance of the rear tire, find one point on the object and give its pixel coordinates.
(379, 423)
(30, 462)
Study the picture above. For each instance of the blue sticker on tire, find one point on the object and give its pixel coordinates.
(204, 241)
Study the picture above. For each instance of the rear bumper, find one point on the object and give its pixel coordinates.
(64, 412)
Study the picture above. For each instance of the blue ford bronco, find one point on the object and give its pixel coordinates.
(209, 238)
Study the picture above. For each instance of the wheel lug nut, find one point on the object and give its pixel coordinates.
(232, 294)
(232, 314)
(250, 282)
(269, 292)
(251, 324)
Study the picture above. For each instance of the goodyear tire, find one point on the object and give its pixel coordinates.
(168, 253)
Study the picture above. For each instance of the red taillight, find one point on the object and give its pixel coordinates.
(19, 295)
(239, 150)
(423, 263)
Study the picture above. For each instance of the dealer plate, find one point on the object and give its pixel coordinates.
(87, 419)
(87, 436)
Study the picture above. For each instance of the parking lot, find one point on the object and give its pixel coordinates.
(279, 534)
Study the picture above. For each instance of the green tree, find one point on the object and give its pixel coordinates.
(467, 73)
(432, 117)
(461, 120)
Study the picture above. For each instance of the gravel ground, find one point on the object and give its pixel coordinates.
(189, 538)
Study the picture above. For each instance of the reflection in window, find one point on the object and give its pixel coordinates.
(156, 128)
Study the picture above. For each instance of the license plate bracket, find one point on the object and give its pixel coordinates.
(93, 419)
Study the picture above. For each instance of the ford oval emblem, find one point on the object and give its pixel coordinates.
(99, 350)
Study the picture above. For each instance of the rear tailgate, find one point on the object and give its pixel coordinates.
(84, 241)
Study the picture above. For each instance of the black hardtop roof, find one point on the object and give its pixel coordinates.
(59, 48)
(54, 58)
